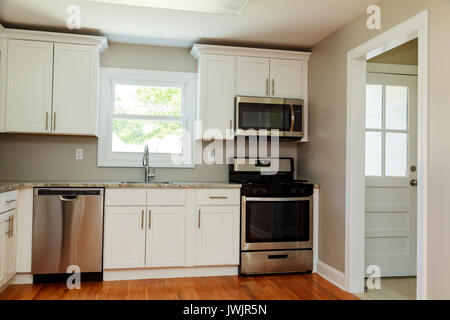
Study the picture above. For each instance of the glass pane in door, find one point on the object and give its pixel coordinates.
(396, 108)
(374, 153)
(396, 154)
(374, 106)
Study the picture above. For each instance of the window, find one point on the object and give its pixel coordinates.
(153, 108)
(386, 130)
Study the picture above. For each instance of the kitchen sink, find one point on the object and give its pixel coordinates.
(142, 182)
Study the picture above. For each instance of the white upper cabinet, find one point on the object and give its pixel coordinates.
(225, 72)
(29, 86)
(286, 78)
(3, 51)
(216, 96)
(75, 87)
(252, 76)
(49, 82)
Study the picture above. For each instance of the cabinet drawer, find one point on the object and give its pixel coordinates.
(212, 197)
(8, 200)
(125, 197)
(166, 197)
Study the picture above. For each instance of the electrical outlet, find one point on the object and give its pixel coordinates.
(79, 154)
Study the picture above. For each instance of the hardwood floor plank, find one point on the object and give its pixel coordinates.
(270, 287)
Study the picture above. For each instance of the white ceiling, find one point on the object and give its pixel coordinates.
(269, 23)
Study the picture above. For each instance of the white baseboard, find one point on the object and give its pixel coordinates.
(22, 278)
(336, 277)
(161, 273)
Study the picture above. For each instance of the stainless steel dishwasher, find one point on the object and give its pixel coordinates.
(67, 230)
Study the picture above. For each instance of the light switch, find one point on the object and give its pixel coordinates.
(79, 154)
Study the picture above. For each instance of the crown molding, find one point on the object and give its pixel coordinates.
(199, 49)
(100, 42)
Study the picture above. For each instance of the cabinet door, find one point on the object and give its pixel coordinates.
(252, 76)
(3, 53)
(217, 236)
(124, 245)
(75, 88)
(29, 86)
(3, 236)
(286, 78)
(217, 93)
(10, 247)
(165, 236)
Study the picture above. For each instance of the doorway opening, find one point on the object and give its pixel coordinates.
(391, 173)
(386, 177)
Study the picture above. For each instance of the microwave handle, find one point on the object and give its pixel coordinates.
(292, 118)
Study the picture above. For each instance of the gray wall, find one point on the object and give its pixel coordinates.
(323, 159)
(52, 158)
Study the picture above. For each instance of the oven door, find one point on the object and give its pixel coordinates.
(260, 116)
(276, 223)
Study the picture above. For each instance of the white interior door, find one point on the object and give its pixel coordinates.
(391, 153)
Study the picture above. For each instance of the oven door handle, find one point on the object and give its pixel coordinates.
(278, 199)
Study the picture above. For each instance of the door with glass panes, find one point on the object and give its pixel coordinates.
(391, 173)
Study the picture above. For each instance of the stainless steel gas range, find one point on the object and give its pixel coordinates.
(276, 216)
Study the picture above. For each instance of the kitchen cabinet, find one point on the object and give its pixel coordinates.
(7, 246)
(217, 236)
(252, 76)
(29, 86)
(124, 245)
(165, 236)
(177, 228)
(286, 78)
(262, 77)
(51, 87)
(3, 51)
(75, 87)
(224, 72)
(217, 75)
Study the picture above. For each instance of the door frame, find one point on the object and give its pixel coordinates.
(415, 27)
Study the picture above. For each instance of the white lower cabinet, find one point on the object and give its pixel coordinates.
(124, 245)
(165, 237)
(176, 228)
(7, 247)
(217, 236)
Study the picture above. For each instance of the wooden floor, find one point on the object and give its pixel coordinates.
(279, 287)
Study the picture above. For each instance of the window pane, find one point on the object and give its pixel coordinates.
(161, 136)
(396, 107)
(373, 153)
(396, 154)
(147, 101)
(374, 103)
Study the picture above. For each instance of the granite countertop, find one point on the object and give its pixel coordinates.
(8, 186)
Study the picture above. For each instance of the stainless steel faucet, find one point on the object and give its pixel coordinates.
(149, 172)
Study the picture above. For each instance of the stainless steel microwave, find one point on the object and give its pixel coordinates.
(258, 116)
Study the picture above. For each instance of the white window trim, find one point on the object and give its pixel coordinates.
(110, 76)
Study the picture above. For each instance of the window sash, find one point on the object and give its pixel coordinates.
(111, 77)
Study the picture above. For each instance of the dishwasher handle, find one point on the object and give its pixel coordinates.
(68, 198)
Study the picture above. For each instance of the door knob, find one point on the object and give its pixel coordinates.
(413, 182)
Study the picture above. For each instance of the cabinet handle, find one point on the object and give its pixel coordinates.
(12, 227)
(9, 227)
(142, 220)
(215, 198)
(10, 201)
(267, 86)
(54, 121)
(149, 219)
(199, 219)
(46, 121)
(273, 87)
